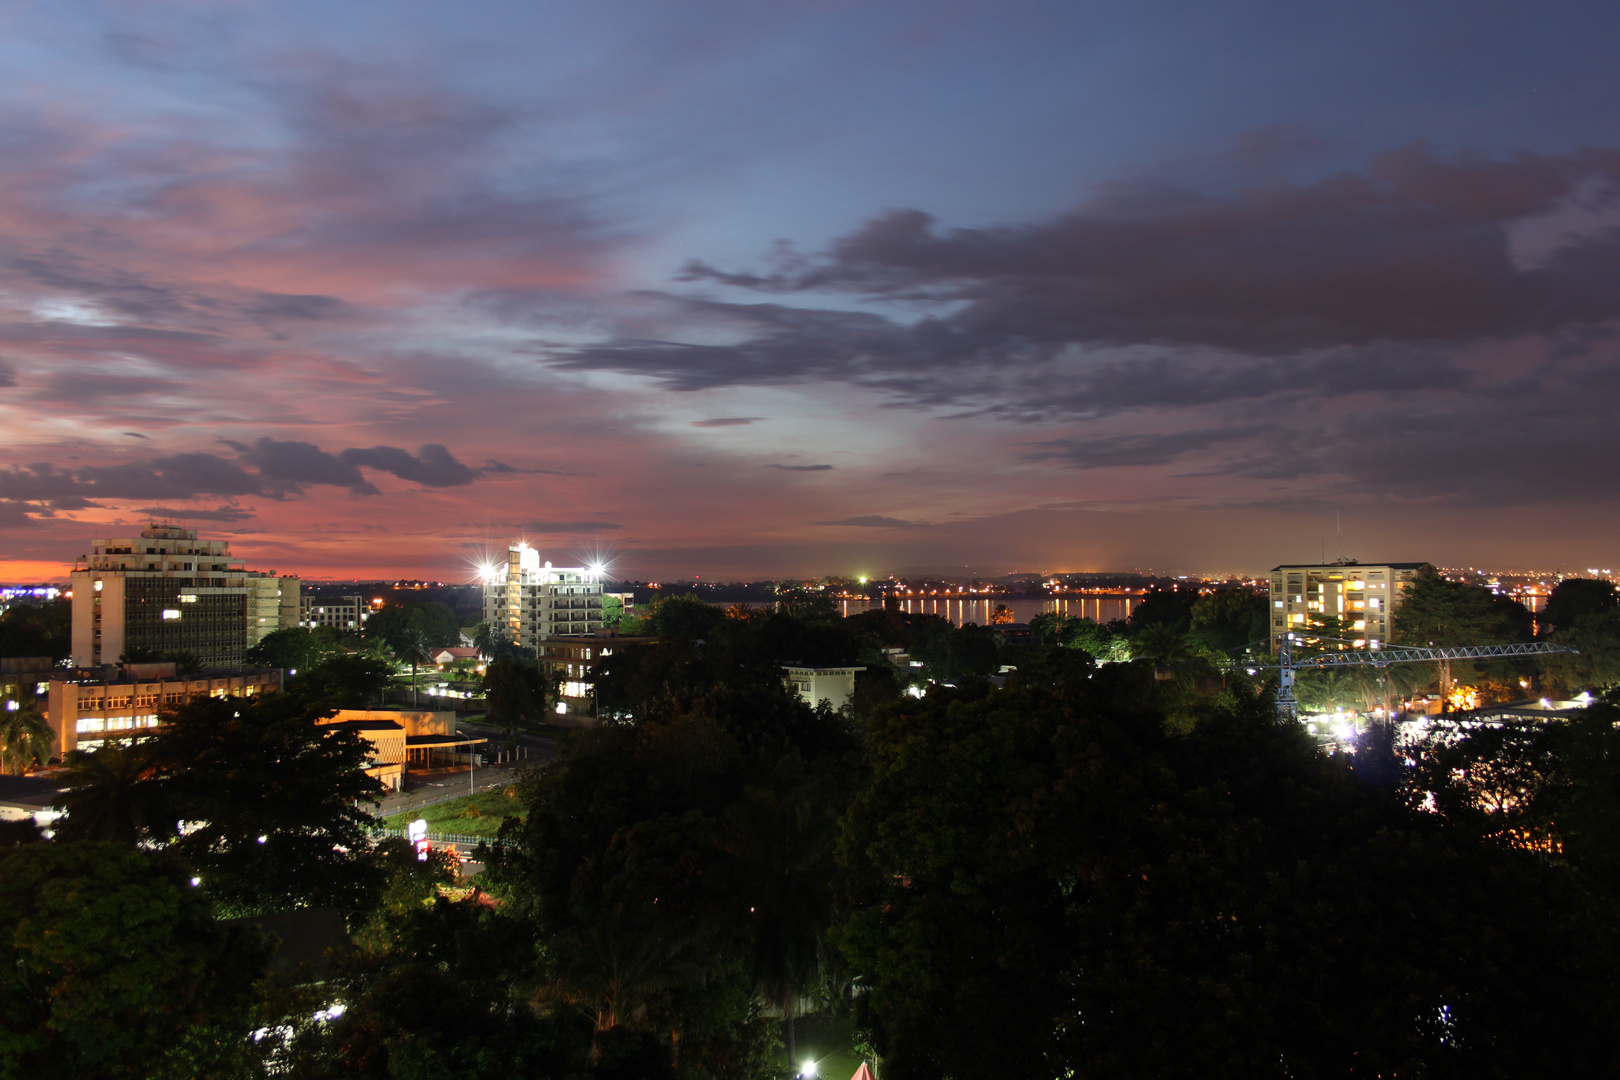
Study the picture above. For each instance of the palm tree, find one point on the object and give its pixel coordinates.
(483, 639)
(1162, 642)
(111, 794)
(25, 734)
(413, 646)
(781, 846)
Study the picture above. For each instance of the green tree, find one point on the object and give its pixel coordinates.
(272, 802)
(683, 615)
(645, 847)
(1049, 881)
(1231, 620)
(780, 848)
(342, 682)
(37, 630)
(1163, 643)
(515, 693)
(25, 734)
(112, 794)
(413, 648)
(391, 622)
(293, 648)
(1104, 645)
(1434, 611)
(1596, 664)
(112, 960)
(1574, 597)
(484, 639)
(1168, 606)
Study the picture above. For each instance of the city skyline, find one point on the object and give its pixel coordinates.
(768, 292)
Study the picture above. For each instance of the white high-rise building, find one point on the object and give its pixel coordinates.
(169, 592)
(527, 600)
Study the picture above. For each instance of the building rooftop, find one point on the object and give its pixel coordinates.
(28, 793)
(1350, 565)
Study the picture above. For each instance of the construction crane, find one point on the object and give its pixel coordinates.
(1288, 666)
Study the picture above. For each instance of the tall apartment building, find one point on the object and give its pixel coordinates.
(170, 592)
(1364, 595)
(345, 613)
(527, 600)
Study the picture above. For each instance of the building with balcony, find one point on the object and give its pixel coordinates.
(527, 600)
(572, 662)
(1364, 595)
(168, 592)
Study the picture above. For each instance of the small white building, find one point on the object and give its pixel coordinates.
(25, 797)
(834, 685)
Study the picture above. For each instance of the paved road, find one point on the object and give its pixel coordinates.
(541, 749)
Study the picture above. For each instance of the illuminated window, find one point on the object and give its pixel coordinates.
(171, 613)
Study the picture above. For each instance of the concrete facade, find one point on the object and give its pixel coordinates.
(346, 613)
(834, 685)
(85, 710)
(170, 592)
(1365, 595)
(527, 600)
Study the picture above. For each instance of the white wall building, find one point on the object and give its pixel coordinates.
(834, 685)
(527, 600)
(346, 614)
(167, 591)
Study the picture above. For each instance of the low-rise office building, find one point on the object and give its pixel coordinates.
(87, 709)
(834, 685)
(406, 738)
(346, 614)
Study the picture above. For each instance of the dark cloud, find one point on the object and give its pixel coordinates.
(134, 435)
(802, 468)
(1380, 271)
(284, 467)
(727, 421)
(125, 293)
(180, 476)
(875, 521)
(220, 513)
(8, 374)
(283, 306)
(492, 466)
(433, 465)
(1116, 451)
(568, 526)
(291, 465)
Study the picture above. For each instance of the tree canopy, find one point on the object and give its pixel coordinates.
(112, 961)
(37, 630)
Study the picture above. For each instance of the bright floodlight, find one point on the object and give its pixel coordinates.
(808, 1069)
(597, 568)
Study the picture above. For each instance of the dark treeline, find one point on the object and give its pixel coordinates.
(1092, 869)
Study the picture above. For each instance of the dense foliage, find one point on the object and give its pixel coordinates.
(37, 630)
(1088, 852)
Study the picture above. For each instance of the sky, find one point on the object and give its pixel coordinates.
(744, 289)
